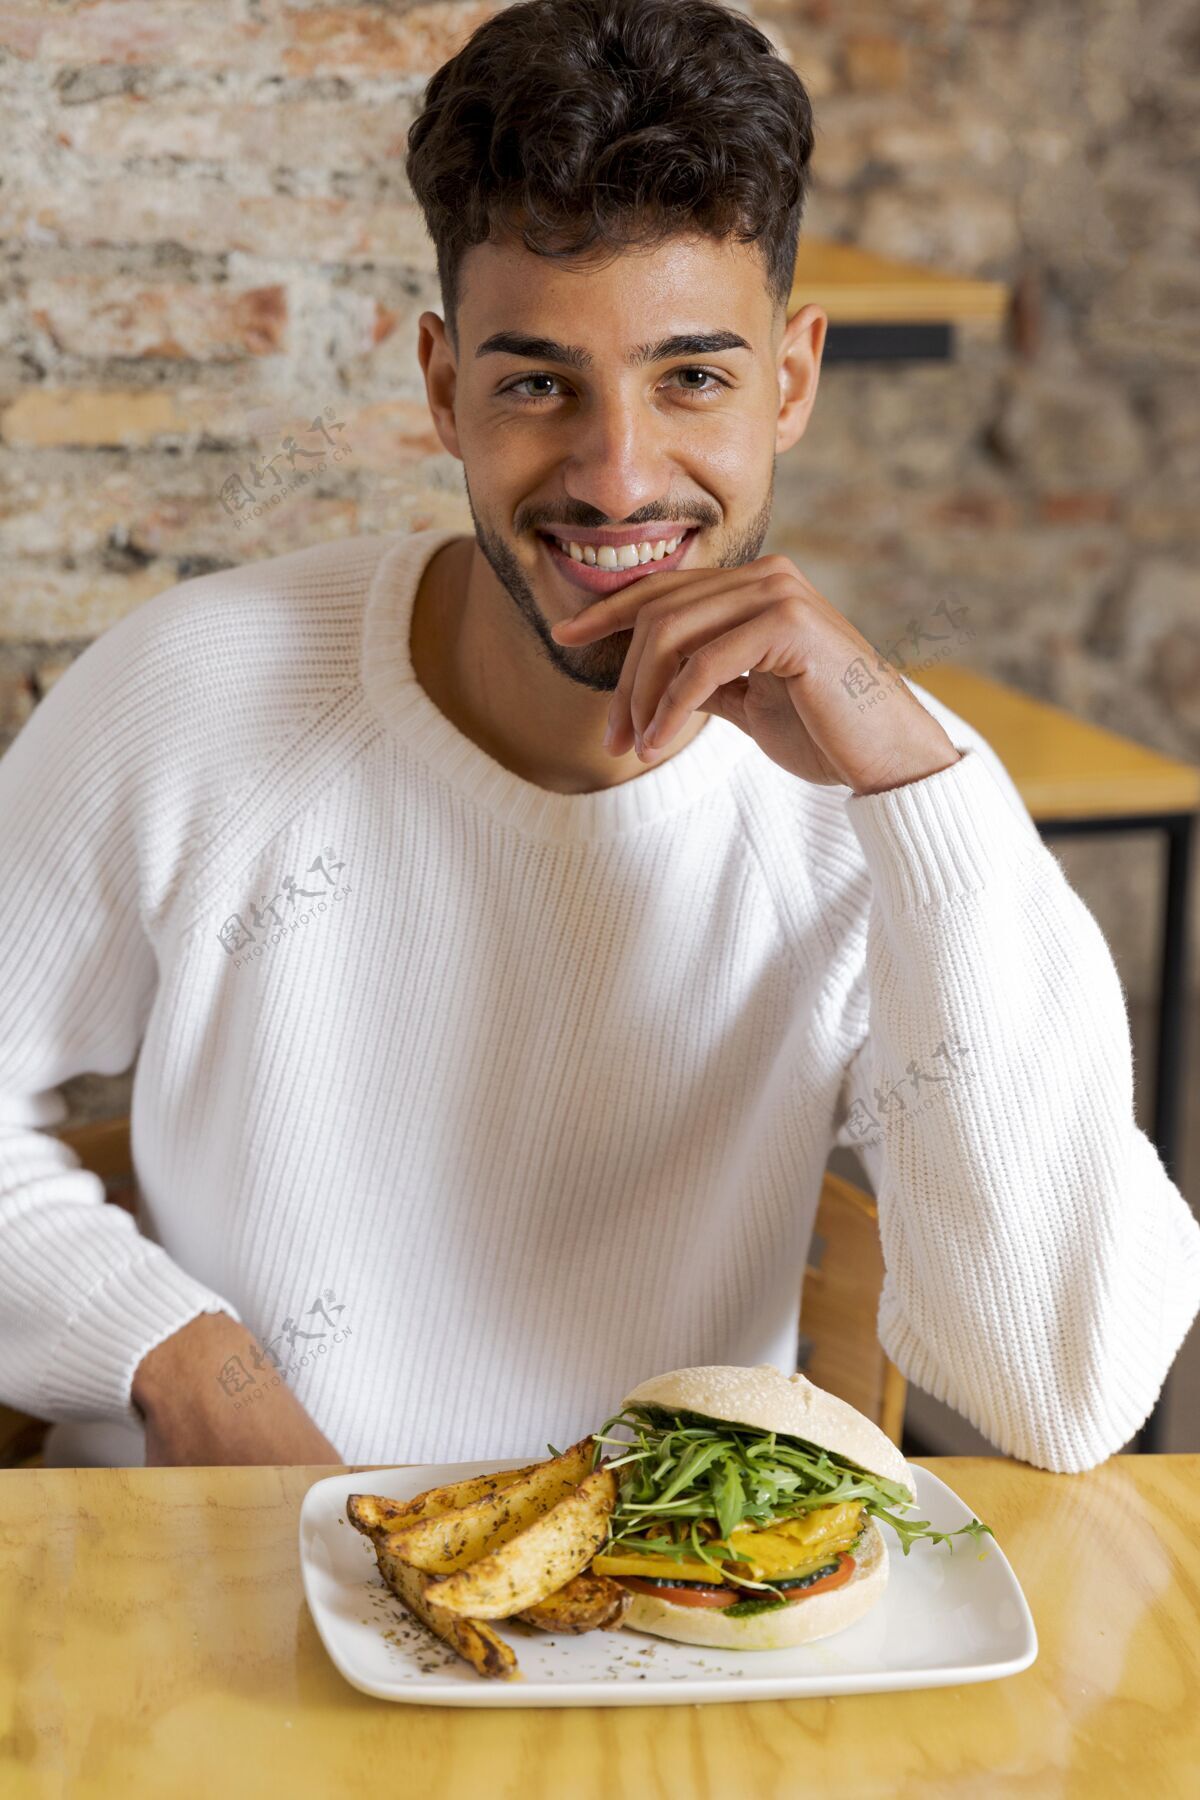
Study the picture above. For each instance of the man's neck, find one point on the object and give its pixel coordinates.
(481, 667)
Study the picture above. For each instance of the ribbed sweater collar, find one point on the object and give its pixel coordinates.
(396, 696)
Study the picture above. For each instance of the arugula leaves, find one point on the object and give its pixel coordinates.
(683, 1477)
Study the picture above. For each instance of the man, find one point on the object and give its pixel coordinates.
(510, 925)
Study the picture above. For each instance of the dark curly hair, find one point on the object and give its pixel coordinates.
(582, 123)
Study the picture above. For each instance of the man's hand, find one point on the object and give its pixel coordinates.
(695, 632)
(190, 1419)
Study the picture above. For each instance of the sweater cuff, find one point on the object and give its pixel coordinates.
(947, 834)
(89, 1372)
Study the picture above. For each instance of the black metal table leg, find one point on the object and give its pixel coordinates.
(1173, 989)
(1172, 1026)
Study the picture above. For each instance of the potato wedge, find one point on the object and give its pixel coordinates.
(487, 1654)
(449, 1541)
(537, 1560)
(373, 1513)
(587, 1603)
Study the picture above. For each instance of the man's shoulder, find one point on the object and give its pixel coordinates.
(233, 653)
(231, 685)
(264, 604)
(197, 685)
(244, 679)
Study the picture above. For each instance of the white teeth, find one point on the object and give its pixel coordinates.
(621, 556)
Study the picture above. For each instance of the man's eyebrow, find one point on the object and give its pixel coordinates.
(540, 349)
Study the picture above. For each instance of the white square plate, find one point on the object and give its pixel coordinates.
(946, 1617)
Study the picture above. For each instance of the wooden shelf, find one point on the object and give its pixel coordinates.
(858, 287)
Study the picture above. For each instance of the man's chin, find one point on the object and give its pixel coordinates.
(596, 666)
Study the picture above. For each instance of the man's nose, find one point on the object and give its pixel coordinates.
(617, 461)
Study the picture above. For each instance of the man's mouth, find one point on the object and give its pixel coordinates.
(595, 578)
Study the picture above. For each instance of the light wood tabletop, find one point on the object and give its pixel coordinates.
(154, 1639)
(1063, 767)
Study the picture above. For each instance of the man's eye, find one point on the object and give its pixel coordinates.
(687, 387)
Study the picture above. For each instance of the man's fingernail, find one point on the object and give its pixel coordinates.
(608, 735)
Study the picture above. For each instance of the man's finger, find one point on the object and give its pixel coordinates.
(617, 612)
(669, 637)
(710, 603)
(722, 660)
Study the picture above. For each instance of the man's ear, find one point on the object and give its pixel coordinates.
(800, 354)
(439, 365)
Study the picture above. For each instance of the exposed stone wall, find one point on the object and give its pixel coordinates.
(213, 274)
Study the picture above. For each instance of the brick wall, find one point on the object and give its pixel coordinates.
(213, 273)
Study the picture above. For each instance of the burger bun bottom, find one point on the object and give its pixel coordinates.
(802, 1622)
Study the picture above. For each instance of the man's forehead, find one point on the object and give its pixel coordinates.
(646, 299)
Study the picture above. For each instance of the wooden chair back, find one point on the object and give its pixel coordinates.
(839, 1349)
(839, 1306)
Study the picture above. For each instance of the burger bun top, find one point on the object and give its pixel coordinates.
(769, 1400)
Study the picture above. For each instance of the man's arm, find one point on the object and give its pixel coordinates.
(85, 1294)
(190, 1418)
(1042, 1269)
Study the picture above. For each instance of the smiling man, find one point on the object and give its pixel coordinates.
(562, 512)
(558, 440)
(511, 923)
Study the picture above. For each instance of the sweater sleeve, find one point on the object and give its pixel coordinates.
(1042, 1269)
(85, 1295)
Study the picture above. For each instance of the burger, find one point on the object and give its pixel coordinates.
(748, 1508)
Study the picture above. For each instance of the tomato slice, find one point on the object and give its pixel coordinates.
(697, 1595)
(836, 1578)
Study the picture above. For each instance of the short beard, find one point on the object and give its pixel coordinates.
(597, 666)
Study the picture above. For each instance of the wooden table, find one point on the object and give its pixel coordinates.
(1079, 780)
(154, 1640)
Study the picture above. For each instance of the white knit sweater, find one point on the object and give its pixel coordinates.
(479, 1104)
